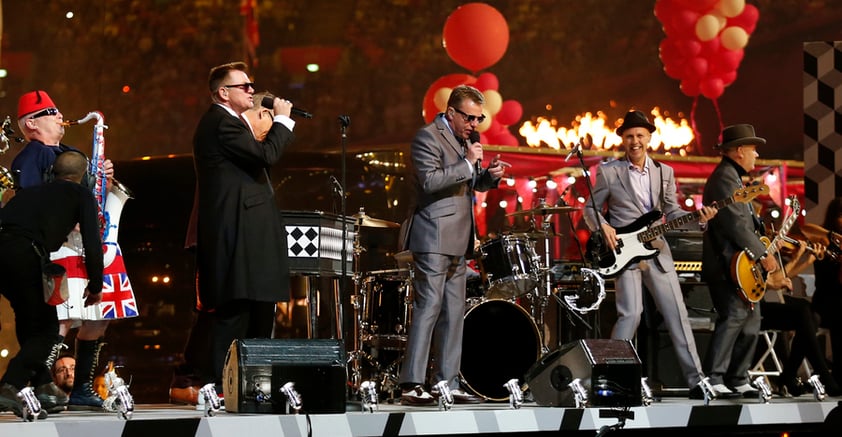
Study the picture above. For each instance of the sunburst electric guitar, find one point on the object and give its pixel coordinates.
(749, 274)
(634, 241)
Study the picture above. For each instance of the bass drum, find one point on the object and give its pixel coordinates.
(500, 342)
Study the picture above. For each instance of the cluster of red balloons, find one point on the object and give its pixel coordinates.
(500, 113)
(476, 36)
(705, 41)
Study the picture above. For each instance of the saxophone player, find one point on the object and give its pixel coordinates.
(42, 124)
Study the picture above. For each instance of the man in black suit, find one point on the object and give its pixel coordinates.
(241, 245)
(34, 223)
(735, 228)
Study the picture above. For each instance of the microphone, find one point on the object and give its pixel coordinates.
(267, 103)
(573, 151)
(473, 137)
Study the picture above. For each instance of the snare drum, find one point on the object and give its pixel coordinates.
(500, 342)
(510, 265)
(386, 308)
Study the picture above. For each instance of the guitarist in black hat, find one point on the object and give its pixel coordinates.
(630, 188)
(733, 230)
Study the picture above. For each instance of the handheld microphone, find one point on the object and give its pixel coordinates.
(474, 138)
(268, 103)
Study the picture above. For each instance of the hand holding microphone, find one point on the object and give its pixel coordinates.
(473, 138)
(284, 107)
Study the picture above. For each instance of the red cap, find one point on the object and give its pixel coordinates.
(34, 101)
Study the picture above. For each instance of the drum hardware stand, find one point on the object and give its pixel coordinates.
(369, 396)
(445, 396)
(646, 392)
(580, 395)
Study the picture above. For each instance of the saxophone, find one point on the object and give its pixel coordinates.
(110, 202)
(7, 182)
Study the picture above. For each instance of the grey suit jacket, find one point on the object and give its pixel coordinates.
(442, 214)
(614, 190)
(733, 228)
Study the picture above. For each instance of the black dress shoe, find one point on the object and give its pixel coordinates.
(696, 393)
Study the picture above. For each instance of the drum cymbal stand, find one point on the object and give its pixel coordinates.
(543, 291)
(356, 353)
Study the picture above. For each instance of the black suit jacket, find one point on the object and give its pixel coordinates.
(241, 243)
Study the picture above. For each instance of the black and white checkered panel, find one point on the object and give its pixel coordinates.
(822, 126)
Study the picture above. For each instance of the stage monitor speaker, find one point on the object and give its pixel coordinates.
(254, 367)
(609, 370)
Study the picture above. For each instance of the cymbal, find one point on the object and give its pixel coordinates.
(367, 221)
(536, 234)
(543, 210)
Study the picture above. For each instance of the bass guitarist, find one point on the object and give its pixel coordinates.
(629, 188)
(734, 229)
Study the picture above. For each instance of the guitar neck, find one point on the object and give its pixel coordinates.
(656, 231)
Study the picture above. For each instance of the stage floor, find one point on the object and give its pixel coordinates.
(798, 416)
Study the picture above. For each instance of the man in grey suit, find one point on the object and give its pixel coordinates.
(734, 229)
(631, 187)
(447, 169)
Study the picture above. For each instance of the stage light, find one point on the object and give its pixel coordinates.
(293, 398)
(551, 183)
(312, 68)
(503, 204)
(580, 395)
(532, 184)
(646, 392)
(369, 397)
(445, 396)
(688, 202)
(818, 388)
(775, 213)
(571, 180)
(510, 182)
(765, 392)
(208, 394)
(515, 395)
(580, 199)
(707, 390)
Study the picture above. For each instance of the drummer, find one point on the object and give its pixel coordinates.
(440, 233)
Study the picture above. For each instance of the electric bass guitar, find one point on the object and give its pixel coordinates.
(634, 241)
(747, 271)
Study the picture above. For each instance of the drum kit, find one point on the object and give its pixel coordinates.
(501, 339)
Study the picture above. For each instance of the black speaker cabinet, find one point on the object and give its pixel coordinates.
(256, 369)
(608, 369)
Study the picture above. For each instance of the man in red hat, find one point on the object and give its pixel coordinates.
(631, 188)
(41, 123)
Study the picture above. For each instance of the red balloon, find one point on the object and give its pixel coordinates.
(690, 87)
(712, 88)
(727, 60)
(684, 24)
(710, 49)
(728, 77)
(487, 81)
(507, 139)
(674, 70)
(428, 107)
(698, 5)
(697, 68)
(510, 113)
(668, 49)
(664, 11)
(689, 47)
(475, 36)
(747, 20)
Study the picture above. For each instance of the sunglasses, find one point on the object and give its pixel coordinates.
(48, 111)
(471, 118)
(242, 86)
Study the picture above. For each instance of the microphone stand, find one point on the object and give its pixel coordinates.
(599, 234)
(344, 122)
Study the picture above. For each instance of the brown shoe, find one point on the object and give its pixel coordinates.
(417, 396)
(184, 395)
(462, 397)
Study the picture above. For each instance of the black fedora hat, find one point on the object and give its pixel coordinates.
(635, 119)
(739, 135)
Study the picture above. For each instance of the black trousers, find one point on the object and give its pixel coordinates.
(795, 315)
(236, 320)
(36, 322)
